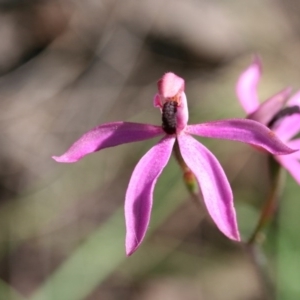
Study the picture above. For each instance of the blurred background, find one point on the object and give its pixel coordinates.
(69, 65)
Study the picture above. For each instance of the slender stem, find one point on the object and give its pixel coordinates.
(268, 213)
(259, 263)
(270, 206)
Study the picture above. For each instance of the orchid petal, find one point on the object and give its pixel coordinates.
(291, 164)
(270, 107)
(246, 88)
(108, 135)
(294, 100)
(295, 144)
(246, 131)
(288, 127)
(170, 85)
(214, 185)
(138, 202)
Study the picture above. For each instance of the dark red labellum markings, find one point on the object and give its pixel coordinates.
(169, 122)
(285, 112)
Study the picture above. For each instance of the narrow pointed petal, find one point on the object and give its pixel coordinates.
(214, 185)
(246, 88)
(289, 127)
(242, 130)
(139, 195)
(108, 135)
(270, 107)
(295, 144)
(291, 164)
(295, 99)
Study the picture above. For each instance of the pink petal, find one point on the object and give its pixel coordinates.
(138, 202)
(295, 99)
(170, 85)
(270, 107)
(246, 88)
(242, 130)
(295, 144)
(291, 164)
(108, 135)
(214, 185)
(289, 127)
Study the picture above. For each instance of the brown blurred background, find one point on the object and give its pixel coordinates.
(68, 65)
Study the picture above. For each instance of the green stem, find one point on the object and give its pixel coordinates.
(270, 206)
(268, 213)
(259, 262)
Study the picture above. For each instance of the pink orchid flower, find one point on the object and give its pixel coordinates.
(212, 180)
(279, 112)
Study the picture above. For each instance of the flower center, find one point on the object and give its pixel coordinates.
(285, 112)
(169, 121)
